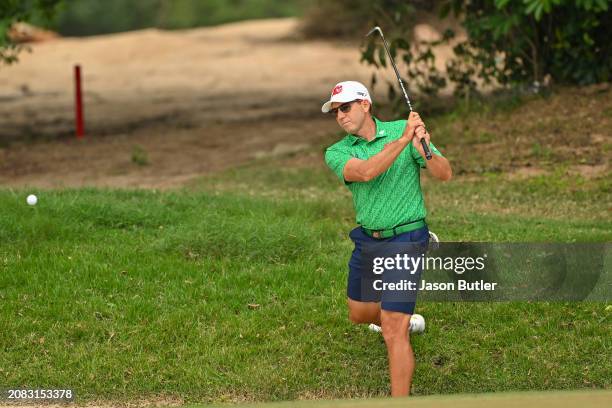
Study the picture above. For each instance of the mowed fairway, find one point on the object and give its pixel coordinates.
(234, 290)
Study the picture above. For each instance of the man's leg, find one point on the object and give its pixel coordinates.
(397, 309)
(401, 358)
(364, 312)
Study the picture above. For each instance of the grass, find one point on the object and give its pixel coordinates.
(235, 291)
(569, 127)
(140, 156)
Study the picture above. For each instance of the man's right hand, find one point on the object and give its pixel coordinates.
(413, 122)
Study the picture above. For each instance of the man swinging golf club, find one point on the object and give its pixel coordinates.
(380, 163)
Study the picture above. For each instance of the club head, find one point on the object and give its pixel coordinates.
(377, 28)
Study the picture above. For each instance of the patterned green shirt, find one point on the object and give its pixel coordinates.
(394, 197)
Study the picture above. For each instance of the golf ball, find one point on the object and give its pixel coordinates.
(32, 199)
(417, 324)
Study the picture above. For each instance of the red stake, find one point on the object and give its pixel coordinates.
(80, 126)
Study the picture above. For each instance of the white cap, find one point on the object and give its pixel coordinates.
(346, 91)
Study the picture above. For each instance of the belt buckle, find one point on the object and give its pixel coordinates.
(376, 234)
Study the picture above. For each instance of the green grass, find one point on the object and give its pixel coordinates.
(138, 294)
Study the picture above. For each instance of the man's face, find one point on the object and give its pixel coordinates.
(354, 116)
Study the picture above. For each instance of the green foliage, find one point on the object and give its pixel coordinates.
(12, 11)
(90, 17)
(509, 43)
(512, 42)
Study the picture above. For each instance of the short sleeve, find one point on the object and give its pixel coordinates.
(336, 159)
(419, 159)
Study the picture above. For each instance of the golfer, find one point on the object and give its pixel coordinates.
(380, 163)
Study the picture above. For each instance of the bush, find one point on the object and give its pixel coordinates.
(510, 43)
(569, 40)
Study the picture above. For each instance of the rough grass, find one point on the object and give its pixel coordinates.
(234, 290)
(238, 294)
(570, 127)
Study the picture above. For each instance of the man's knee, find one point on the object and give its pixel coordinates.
(359, 315)
(394, 326)
(363, 312)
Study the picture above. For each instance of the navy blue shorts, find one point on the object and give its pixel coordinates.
(357, 276)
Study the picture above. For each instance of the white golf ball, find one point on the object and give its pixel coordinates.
(32, 199)
(417, 324)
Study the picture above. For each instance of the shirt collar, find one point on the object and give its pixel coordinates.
(379, 133)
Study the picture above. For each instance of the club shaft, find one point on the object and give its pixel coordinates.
(399, 79)
(397, 74)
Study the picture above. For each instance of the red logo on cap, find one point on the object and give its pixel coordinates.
(337, 90)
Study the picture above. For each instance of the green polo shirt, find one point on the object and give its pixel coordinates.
(394, 197)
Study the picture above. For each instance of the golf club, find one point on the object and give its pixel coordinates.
(399, 78)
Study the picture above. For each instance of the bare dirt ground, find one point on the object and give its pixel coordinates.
(166, 107)
(191, 102)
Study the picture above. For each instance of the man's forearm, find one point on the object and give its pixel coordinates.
(380, 162)
(439, 167)
(366, 170)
